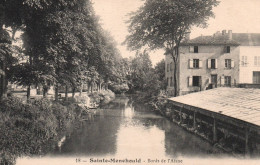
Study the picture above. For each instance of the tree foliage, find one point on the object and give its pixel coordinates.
(140, 66)
(163, 24)
(62, 41)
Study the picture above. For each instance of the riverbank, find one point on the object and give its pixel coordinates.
(34, 127)
(121, 128)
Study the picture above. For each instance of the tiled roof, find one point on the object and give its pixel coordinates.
(247, 39)
(239, 103)
(210, 40)
(243, 39)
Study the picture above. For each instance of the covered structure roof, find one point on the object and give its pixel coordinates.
(238, 103)
(242, 39)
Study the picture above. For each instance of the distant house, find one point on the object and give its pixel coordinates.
(249, 70)
(223, 59)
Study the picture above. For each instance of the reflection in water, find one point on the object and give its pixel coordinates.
(134, 140)
(119, 129)
(128, 112)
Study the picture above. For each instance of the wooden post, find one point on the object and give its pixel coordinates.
(180, 115)
(194, 120)
(246, 141)
(214, 130)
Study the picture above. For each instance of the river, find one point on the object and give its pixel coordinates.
(121, 130)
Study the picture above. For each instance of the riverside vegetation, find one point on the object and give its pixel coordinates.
(35, 127)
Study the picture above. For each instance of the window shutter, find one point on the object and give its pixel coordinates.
(232, 64)
(191, 49)
(190, 81)
(216, 63)
(222, 80)
(191, 63)
(200, 63)
(209, 63)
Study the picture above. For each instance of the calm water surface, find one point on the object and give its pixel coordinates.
(121, 130)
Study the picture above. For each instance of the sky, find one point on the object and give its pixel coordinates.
(240, 16)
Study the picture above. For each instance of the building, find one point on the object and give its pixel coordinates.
(206, 62)
(223, 59)
(249, 70)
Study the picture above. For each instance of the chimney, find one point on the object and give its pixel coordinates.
(217, 34)
(223, 32)
(230, 34)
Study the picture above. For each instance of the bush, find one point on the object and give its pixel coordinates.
(107, 96)
(84, 99)
(25, 127)
(159, 103)
(119, 88)
(102, 97)
(31, 128)
(95, 97)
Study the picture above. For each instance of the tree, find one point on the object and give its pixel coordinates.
(163, 24)
(160, 71)
(141, 65)
(93, 77)
(62, 41)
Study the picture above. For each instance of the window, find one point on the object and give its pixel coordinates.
(244, 61)
(168, 81)
(212, 63)
(256, 77)
(228, 49)
(229, 63)
(196, 49)
(196, 63)
(196, 81)
(227, 80)
(257, 61)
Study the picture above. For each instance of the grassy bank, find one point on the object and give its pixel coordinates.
(34, 127)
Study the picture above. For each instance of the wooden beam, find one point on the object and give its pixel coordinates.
(246, 141)
(214, 130)
(180, 113)
(194, 120)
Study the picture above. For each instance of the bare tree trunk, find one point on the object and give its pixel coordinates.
(66, 92)
(73, 92)
(3, 90)
(56, 92)
(28, 95)
(91, 87)
(81, 89)
(175, 73)
(88, 87)
(44, 91)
